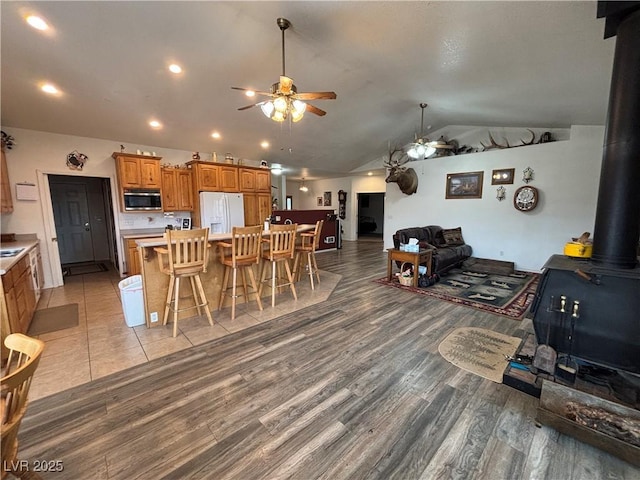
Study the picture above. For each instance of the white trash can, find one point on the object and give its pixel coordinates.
(132, 300)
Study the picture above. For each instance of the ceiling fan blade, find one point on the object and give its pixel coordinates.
(257, 92)
(250, 106)
(316, 95)
(316, 110)
(285, 84)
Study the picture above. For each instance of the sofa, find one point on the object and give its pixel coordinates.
(449, 249)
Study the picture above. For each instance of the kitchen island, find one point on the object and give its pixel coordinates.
(156, 284)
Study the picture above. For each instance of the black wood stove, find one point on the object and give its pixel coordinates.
(593, 306)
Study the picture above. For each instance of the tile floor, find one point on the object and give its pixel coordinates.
(102, 343)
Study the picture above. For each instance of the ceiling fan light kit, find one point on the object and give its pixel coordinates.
(422, 148)
(285, 101)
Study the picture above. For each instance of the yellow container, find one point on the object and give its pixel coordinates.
(579, 250)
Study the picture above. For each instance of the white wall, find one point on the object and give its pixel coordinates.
(351, 185)
(566, 174)
(37, 153)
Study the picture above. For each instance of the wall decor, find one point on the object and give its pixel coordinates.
(501, 193)
(327, 199)
(464, 185)
(406, 178)
(503, 176)
(76, 160)
(342, 204)
(527, 175)
(526, 198)
(320, 202)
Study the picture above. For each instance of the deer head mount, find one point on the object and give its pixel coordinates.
(406, 178)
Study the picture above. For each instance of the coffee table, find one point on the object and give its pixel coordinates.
(415, 258)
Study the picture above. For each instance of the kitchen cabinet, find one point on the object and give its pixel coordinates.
(6, 201)
(229, 179)
(254, 180)
(19, 299)
(247, 179)
(132, 259)
(137, 171)
(263, 181)
(257, 207)
(177, 190)
(205, 177)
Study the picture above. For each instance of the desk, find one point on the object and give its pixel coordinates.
(415, 258)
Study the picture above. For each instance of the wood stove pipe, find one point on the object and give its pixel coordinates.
(617, 224)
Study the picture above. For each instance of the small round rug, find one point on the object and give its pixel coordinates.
(479, 351)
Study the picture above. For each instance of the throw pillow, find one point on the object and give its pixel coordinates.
(453, 236)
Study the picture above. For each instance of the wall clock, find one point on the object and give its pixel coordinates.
(526, 198)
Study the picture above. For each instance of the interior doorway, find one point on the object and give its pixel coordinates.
(84, 223)
(370, 215)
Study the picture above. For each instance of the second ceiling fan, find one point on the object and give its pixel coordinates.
(286, 101)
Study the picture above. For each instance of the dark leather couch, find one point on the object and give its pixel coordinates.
(448, 244)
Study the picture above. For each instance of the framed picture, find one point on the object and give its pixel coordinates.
(186, 224)
(503, 176)
(464, 185)
(319, 201)
(327, 199)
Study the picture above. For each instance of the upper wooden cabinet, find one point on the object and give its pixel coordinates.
(137, 171)
(263, 180)
(6, 202)
(247, 179)
(255, 180)
(229, 181)
(205, 176)
(177, 190)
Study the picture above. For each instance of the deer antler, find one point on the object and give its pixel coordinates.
(391, 162)
(533, 138)
(494, 144)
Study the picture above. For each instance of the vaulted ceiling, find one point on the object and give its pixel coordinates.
(513, 64)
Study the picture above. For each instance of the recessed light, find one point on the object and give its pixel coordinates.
(175, 68)
(250, 93)
(50, 89)
(369, 173)
(264, 144)
(155, 124)
(37, 22)
(215, 135)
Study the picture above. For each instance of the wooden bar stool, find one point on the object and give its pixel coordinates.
(24, 356)
(310, 241)
(188, 253)
(282, 243)
(245, 252)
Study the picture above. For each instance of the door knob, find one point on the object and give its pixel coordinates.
(87, 226)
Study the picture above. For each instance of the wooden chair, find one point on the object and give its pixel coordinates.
(282, 243)
(24, 356)
(185, 256)
(310, 241)
(245, 252)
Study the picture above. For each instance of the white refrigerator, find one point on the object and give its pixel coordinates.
(221, 211)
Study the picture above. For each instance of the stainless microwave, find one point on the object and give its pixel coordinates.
(142, 200)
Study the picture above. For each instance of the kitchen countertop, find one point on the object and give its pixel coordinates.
(7, 262)
(213, 237)
(142, 233)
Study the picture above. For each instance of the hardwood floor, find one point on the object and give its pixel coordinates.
(352, 388)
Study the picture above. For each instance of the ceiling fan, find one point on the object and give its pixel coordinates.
(285, 99)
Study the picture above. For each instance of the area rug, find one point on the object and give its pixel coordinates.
(53, 319)
(479, 351)
(507, 295)
(83, 268)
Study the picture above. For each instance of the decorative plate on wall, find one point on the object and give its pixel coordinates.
(526, 198)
